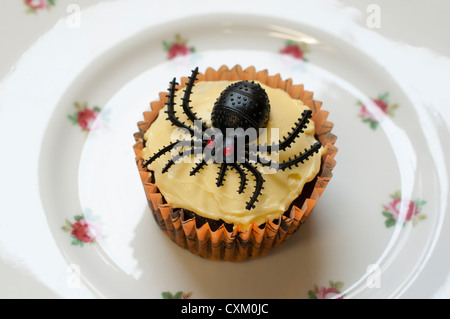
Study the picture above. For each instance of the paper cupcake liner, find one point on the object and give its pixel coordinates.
(235, 244)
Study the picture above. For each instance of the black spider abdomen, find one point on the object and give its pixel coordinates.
(244, 105)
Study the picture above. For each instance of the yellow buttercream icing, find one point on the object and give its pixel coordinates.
(200, 194)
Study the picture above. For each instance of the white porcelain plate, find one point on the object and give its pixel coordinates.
(370, 235)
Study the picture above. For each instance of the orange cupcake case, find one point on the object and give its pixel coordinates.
(236, 244)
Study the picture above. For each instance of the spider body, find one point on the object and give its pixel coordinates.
(241, 106)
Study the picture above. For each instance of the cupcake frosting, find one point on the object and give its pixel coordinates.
(200, 194)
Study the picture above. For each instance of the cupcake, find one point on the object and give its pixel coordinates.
(233, 161)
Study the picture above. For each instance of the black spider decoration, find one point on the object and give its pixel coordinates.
(241, 105)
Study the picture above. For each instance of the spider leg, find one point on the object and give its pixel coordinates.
(161, 152)
(293, 135)
(200, 165)
(297, 159)
(242, 175)
(197, 168)
(259, 185)
(177, 157)
(168, 166)
(186, 99)
(221, 177)
(171, 108)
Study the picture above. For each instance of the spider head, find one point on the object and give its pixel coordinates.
(243, 105)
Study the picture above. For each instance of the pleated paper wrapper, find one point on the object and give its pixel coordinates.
(235, 244)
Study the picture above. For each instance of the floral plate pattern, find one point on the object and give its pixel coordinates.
(33, 6)
(382, 105)
(85, 229)
(392, 210)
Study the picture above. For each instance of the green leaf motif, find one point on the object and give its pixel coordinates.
(179, 39)
(387, 214)
(178, 295)
(305, 48)
(166, 46)
(373, 125)
(418, 218)
(30, 10)
(75, 242)
(338, 285)
(66, 229)
(78, 106)
(290, 42)
(421, 217)
(390, 222)
(384, 97)
(420, 203)
(78, 218)
(73, 118)
(396, 195)
(312, 295)
(393, 107)
(167, 295)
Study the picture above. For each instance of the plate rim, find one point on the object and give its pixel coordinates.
(25, 56)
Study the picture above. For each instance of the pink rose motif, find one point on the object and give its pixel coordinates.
(37, 4)
(383, 106)
(34, 6)
(187, 295)
(294, 51)
(177, 48)
(393, 209)
(86, 118)
(83, 231)
(375, 115)
(333, 290)
(327, 293)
